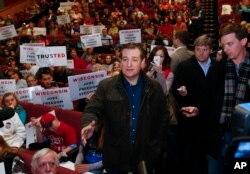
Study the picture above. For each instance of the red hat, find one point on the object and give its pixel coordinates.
(46, 120)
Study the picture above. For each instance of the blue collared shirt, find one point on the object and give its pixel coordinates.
(134, 93)
(205, 66)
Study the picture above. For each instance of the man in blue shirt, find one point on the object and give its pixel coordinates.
(133, 110)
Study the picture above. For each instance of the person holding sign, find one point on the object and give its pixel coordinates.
(132, 108)
(15, 74)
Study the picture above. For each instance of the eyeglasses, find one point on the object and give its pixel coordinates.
(44, 165)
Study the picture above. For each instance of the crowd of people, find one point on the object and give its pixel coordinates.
(165, 113)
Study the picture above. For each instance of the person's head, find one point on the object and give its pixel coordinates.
(31, 80)
(164, 56)
(203, 46)
(45, 161)
(108, 60)
(73, 53)
(10, 100)
(117, 66)
(104, 32)
(4, 148)
(50, 122)
(46, 79)
(27, 66)
(132, 56)
(181, 38)
(12, 62)
(14, 74)
(98, 67)
(233, 39)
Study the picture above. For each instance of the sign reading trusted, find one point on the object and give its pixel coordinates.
(83, 84)
(51, 56)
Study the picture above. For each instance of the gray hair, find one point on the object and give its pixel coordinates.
(40, 154)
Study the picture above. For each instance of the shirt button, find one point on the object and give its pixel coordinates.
(133, 130)
(133, 118)
(133, 106)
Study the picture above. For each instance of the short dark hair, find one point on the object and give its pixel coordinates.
(183, 36)
(134, 46)
(240, 31)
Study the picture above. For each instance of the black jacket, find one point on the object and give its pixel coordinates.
(111, 105)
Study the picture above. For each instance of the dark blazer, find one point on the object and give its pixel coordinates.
(190, 74)
(110, 104)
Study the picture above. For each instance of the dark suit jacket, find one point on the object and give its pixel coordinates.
(190, 74)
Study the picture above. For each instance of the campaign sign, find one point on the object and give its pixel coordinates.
(7, 32)
(97, 28)
(63, 19)
(30, 134)
(83, 84)
(27, 54)
(86, 29)
(7, 85)
(34, 44)
(70, 63)
(39, 31)
(25, 94)
(90, 41)
(57, 97)
(67, 5)
(127, 36)
(51, 56)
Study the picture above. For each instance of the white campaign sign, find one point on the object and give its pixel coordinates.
(34, 44)
(57, 97)
(51, 56)
(2, 168)
(27, 54)
(30, 134)
(86, 29)
(97, 28)
(70, 64)
(90, 41)
(127, 36)
(7, 32)
(25, 94)
(39, 31)
(81, 85)
(7, 85)
(63, 19)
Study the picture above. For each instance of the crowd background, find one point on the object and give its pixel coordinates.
(159, 21)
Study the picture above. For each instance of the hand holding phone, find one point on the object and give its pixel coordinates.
(157, 60)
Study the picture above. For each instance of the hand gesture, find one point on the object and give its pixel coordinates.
(190, 111)
(182, 91)
(81, 168)
(35, 122)
(87, 132)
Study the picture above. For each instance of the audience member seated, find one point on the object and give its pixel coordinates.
(10, 100)
(79, 63)
(15, 74)
(89, 158)
(60, 75)
(46, 80)
(108, 63)
(12, 63)
(31, 80)
(107, 42)
(52, 133)
(45, 161)
(116, 69)
(12, 162)
(11, 127)
(32, 69)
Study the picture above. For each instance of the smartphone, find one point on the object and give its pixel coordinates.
(157, 60)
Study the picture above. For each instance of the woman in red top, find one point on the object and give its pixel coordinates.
(158, 67)
(79, 63)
